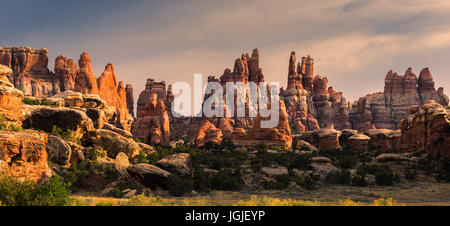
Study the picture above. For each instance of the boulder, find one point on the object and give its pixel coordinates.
(359, 142)
(180, 164)
(117, 130)
(113, 143)
(97, 116)
(324, 139)
(46, 118)
(303, 145)
(274, 171)
(149, 175)
(384, 139)
(58, 151)
(71, 98)
(122, 164)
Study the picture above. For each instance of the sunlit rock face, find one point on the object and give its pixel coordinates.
(310, 103)
(426, 129)
(152, 124)
(30, 72)
(385, 110)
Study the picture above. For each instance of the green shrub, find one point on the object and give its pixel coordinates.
(45, 102)
(95, 154)
(342, 177)
(178, 185)
(201, 180)
(66, 134)
(359, 181)
(227, 180)
(77, 172)
(30, 101)
(383, 174)
(28, 193)
(347, 161)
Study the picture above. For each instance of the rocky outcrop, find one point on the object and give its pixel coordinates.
(180, 164)
(115, 95)
(152, 124)
(10, 99)
(130, 99)
(324, 139)
(310, 102)
(112, 142)
(31, 75)
(384, 140)
(426, 129)
(85, 82)
(47, 118)
(278, 136)
(30, 72)
(149, 175)
(385, 110)
(58, 151)
(65, 73)
(23, 155)
(206, 133)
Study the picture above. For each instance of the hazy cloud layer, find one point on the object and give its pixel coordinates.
(354, 42)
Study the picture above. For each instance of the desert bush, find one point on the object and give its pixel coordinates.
(95, 154)
(30, 101)
(359, 181)
(227, 180)
(28, 193)
(45, 102)
(347, 161)
(178, 186)
(342, 177)
(383, 174)
(66, 134)
(76, 173)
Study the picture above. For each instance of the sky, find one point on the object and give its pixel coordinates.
(354, 42)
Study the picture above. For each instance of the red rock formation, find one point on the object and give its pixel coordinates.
(427, 129)
(310, 102)
(307, 69)
(385, 110)
(85, 81)
(151, 87)
(278, 136)
(324, 139)
(10, 100)
(115, 95)
(65, 73)
(30, 72)
(152, 123)
(206, 132)
(130, 99)
(23, 155)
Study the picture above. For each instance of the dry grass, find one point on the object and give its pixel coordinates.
(423, 193)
